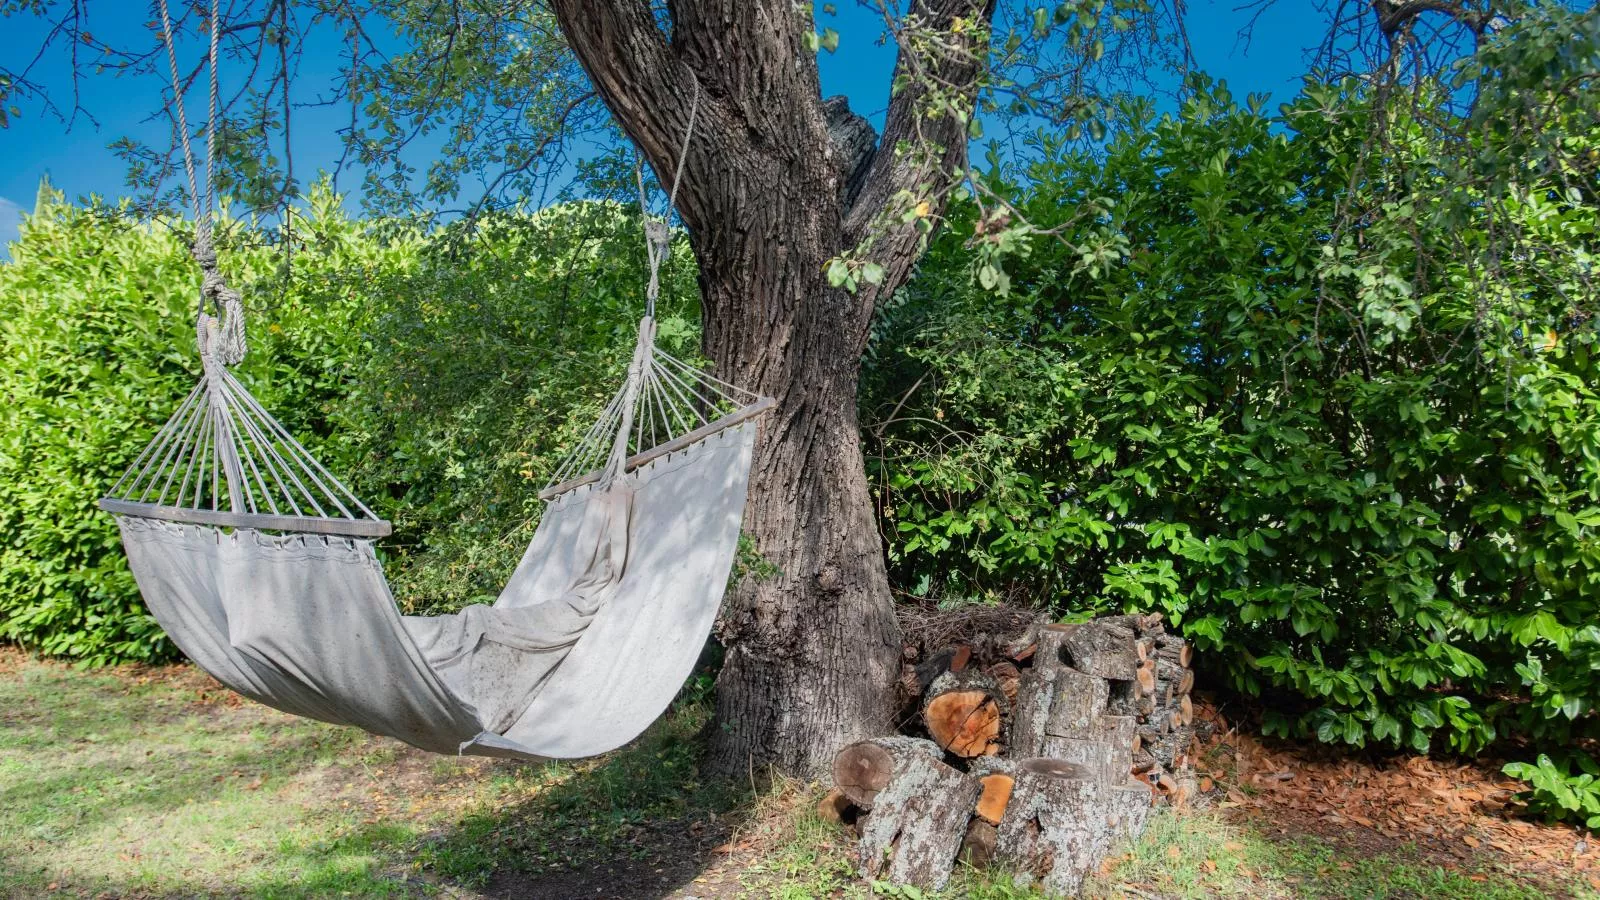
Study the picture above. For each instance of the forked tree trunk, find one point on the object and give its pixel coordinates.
(769, 196)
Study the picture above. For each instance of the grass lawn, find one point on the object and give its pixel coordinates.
(156, 782)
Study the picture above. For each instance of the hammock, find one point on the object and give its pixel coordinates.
(259, 563)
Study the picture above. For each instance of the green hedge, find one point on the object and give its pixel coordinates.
(97, 338)
(442, 375)
(1364, 478)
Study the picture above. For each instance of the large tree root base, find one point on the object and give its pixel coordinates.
(1040, 752)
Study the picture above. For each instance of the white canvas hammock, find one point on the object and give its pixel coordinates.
(259, 563)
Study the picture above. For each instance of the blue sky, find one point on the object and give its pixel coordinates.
(78, 161)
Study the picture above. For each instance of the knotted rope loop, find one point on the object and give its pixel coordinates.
(221, 337)
(657, 233)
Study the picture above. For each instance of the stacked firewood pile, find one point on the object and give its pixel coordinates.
(1039, 752)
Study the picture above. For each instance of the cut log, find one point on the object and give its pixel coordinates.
(919, 817)
(1009, 677)
(932, 667)
(1175, 650)
(1106, 752)
(1102, 647)
(1144, 675)
(1185, 711)
(1125, 698)
(865, 768)
(1186, 682)
(837, 809)
(1145, 648)
(1079, 701)
(1166, 747)
(963, 655)
(996, 795)
(1098, 758)
(964, 712)
(1025, 733)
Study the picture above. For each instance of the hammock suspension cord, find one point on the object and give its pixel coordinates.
(665, 401)
(221, 340)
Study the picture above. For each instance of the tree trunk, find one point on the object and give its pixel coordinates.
(813, 648)
(770, 194)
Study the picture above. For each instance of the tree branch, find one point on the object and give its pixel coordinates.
(639, 78)
(943, 49)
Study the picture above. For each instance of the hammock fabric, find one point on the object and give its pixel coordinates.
(596, 631)
(601, 622)
(259, 563)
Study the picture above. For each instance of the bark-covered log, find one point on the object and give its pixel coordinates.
(1102, 647)
(1009, 677)
(1079, 701)
(1025, 732)
(919, 817)
(1174, 649)
(995, 797)
(1164, 745)
(964, 712)
(1106, 750)
(977, 848)
(1060, 825)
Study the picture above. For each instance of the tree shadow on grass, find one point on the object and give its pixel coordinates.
(637, 823)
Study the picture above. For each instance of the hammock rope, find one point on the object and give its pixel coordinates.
(665, 402)
(221, 340)
(657, 233)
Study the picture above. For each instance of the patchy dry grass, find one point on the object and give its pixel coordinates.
(156, 783)
(131, 782)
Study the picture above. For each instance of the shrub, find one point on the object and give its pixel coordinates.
(442, 376)
(1363, 477)
(97, 338)
(490, 357)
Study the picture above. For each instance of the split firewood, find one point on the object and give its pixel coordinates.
(996, 795)
(1175, 649)
(1145, 648)
(1166, 747)
(964, 712)
(1126, 698)
(1144, 675)
(920, 813)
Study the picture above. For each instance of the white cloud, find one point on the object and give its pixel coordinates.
(10, 218)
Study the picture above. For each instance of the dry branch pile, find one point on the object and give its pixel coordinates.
(1039, 750)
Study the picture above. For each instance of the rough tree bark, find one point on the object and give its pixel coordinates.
(813, 650)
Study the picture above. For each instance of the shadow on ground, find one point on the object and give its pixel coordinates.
(640, 823)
